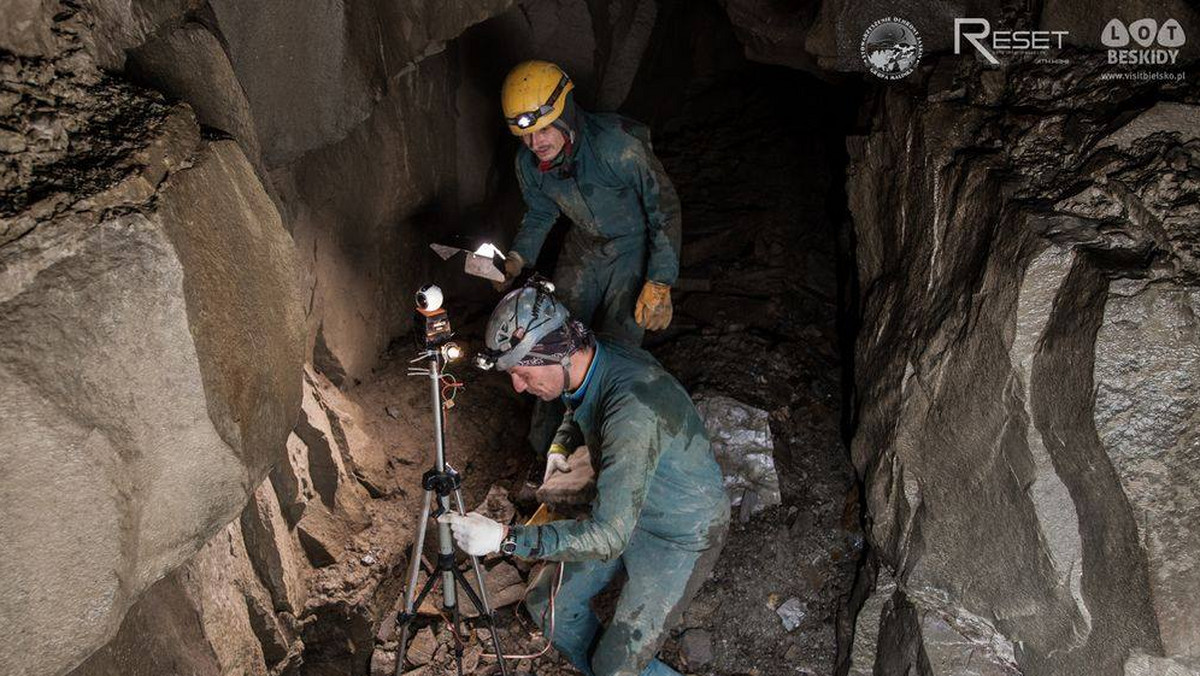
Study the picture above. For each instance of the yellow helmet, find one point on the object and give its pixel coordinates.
(534, 95)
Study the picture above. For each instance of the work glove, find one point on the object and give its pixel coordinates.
(556, 461)
(474, 533)
(513, 264)
(653, 311)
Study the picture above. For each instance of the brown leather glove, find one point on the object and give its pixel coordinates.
(513, 264)
(653, 311)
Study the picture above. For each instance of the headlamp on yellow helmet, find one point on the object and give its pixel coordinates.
(534, 96)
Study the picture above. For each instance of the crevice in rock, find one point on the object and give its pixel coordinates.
(324, 361)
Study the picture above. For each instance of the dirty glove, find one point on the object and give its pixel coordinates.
(556, 461)
(653, 309)
(474, 533)
(513, 264)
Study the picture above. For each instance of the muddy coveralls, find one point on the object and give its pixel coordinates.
(660, 513)
(626, 229)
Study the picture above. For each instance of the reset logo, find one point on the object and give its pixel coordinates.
(987, 42)
(1146, 33)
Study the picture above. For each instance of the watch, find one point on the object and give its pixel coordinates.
(509, 544)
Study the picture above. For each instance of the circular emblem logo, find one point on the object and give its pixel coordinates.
(891, 48)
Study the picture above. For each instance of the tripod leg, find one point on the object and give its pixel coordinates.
(414, 568)
(487, 615)
(481, 601)
(456, 618)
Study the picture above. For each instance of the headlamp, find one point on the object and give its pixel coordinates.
(530, 118)
(484, 361)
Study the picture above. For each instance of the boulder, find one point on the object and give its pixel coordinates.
(741, 441)
(189, 64)
(211, 615)
(504, 588)
(329, 463)
(151, 341)
(696, 647)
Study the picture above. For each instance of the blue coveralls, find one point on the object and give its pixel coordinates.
(625, 230)
(660, 513)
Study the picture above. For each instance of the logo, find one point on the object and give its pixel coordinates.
(1154, 44)
(891, 48)
(987, 42)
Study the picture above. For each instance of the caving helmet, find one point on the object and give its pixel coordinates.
(523, 318)
(534, 95)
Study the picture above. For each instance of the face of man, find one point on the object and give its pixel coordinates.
(544, 382)
(546, 143)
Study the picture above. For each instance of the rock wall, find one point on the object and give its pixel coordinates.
(150, 341)
(244, 602)
(1026, 422)
(1025, 412)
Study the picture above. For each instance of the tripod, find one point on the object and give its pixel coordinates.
(440, 484)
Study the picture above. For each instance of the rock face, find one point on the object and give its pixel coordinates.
(239, 605)
(372, 132)
(303, 97)
(1026, 405)
(150, 341)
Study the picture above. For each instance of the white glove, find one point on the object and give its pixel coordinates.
(474, 533)
(556, 461)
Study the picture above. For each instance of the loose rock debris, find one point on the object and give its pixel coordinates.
(432, 642)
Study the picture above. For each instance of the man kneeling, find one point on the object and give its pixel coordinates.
(660, 511)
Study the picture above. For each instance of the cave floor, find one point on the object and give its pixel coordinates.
(804, 549)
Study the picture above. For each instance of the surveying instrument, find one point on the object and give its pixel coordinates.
(441, 483)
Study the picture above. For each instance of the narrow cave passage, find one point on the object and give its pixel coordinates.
(759, 171)
(970, 268)
(759, 164)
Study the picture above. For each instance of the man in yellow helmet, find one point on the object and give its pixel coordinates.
(621, 256)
